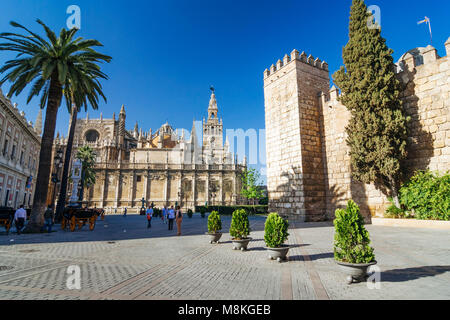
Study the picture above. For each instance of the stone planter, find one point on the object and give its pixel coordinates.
(214, 237)
(278, 254)
(355, 272)
(240, 244)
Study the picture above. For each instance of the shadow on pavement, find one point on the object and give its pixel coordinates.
(408, 274)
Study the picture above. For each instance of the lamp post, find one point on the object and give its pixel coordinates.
(179, 198)
(57, 165)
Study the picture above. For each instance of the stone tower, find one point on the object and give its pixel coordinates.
(213, 126)
(295, 168)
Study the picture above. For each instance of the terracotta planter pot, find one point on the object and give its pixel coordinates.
(355, 272)
(278, 254)
(240, 244)
(214, 237)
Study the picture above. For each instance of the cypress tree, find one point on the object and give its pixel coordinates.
(377, 131)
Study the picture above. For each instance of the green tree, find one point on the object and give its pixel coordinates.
(87, 157)
(251, 187)
(86, 90)
(377, 131)
(48, 65)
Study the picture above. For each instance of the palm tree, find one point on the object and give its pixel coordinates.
(48, 66)
(87, 157)
(89, 89)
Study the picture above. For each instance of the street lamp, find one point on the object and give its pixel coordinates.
(57, 164)
(179, 198)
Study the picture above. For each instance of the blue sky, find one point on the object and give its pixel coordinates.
(167, 53)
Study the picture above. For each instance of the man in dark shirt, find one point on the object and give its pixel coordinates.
(49, 218)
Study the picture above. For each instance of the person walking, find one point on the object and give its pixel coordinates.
(49, 218)
(165, 212)
(125, 212)
(19, 218)
(171, 217)
(149, 217)
(179, 220)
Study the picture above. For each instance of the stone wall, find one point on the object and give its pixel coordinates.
(296, 128)
(295, 171)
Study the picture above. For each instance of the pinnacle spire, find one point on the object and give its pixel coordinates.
(212, 109)
(193, 138)
(122, 110)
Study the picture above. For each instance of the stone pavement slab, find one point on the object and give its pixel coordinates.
(122, 259)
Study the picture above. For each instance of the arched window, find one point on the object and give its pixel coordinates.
(92, 136)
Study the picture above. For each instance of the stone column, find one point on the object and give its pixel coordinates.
(234, 195)
(145, 193)
(194, 187)
(207, 188)
(102, 199)
(221, 189)
(180, 185)
(118, 184)
(166, 189)
(132, 181)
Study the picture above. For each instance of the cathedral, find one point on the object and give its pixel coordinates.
(162, 167)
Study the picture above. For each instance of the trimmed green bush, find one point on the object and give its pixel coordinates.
(214, 222)
(240, 225)
(427, 196)
(394, 212)
(228, 210)
(275, 230)
(189, 213)
(351, 239)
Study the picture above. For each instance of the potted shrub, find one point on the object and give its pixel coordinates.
(214, 225)
(351, 243)
(240, 229)
(189, 213)
(275, 234)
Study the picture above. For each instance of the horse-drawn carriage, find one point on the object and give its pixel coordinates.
(6, 217)
(74, 217)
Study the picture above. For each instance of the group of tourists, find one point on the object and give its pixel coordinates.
(168, 217)
(20, 217)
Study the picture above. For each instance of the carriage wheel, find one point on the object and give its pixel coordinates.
(80, 224)
(103, 215)
(73, 224)
(92, 222)
(63, 223)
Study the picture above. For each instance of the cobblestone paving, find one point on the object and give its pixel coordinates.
(122, 259)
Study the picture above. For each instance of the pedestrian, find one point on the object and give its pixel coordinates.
(19, 218)
(164, 214)
(125, 212)
(149, 217)
(171, 216)
(49, 218)
(179, 220)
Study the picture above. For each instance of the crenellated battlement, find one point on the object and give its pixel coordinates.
(295, 55)
(420, 56)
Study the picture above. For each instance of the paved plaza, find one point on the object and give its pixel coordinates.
(122, 259)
